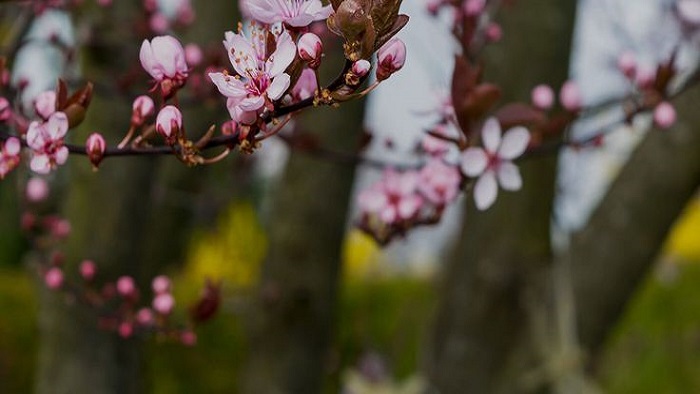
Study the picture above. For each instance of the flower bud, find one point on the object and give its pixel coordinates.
(161, 284)
(169, 123)
(474, 7)
(144, 316)
(570, 96)
(54, 278)
(45, 104)
(37, 190)
(358, 71)
(664, 115)
(126, 287)
(390, 58)
(88, 270)
(95, 148)
(627, 64)
(5, 110)
(542, 96)
(142, 108)
(193, 55)
(310, 49)
(163, 303)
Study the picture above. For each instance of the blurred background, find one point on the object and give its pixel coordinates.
(585, 281)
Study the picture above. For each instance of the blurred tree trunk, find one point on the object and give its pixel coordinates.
(612, 254)
(499, 269)
(132, 217)
(291, 332)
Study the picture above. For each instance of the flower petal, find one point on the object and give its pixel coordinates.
(474, 161)
(282, 57)
(228, 85)
(491, 135)
(509, 176)
(485, 191)
(241, 53)
(278, 86)
(514, 143)
(57, 125)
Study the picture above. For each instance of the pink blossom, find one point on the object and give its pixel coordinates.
(37, 189)
(158, 23)
(310, 49)
(645, 77)
(88, 270)
(542, 96)
(60, 228)
(126, 329)
(164, 58)
(54, 278)
(359, 70)
(260, 78)
(144, 316)
(392, 199)
(306, 85)
(390, 58)
(161, 284)
(169, 123)
(474, 7)
(627, 63)
(95, 147)
(570, 96)
(664, 115)
(142, 108)
(9, 155)
(46, 141)
(193, 55)
(494, 163)
(188, 338)
(163, 303)
(126, 287)
(45, 104)
(294, 13)
(439, 182)
(5, 110)
(494, 32)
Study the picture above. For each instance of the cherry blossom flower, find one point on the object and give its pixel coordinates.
(161, 284)
(542, 96)
(260, 79)
(494, 163)
(306, 85)
(664, 115)
(54, 278)
(45, 104)
(95, 147)
(310, 49)
(88, 270)
(163, 303)
(570, 96)
(169, 123)
(9, 155)
(294, 13)
(142, 108)
(37, 189)
(46, 141)
(439, 182)
(126, 287)
(392, 199)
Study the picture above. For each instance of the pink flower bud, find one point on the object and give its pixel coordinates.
(474, 7)
(163, 58)
(126, 287)
(37, 189)
(359, 70)
(163, 303)
(144, 316)
(60, 228)
(95, 148)
(193, 55)
(188, 338)
(54, 278)
(570, 96)
(161, 284)
(664, 115)
(494, 32)
(45, 104)
(390, 58)
(645, 77)
(627, 64)
(5, 110)
(542, 96)
(310, 49)
(88, 270)
(126, 329)
(12, 146)
(158, 23)
(169, 123)
(142, 108)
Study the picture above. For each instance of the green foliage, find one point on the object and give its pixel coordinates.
(656, 348)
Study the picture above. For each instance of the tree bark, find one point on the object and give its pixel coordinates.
(290, 334)
(612, 254)
(499, 268)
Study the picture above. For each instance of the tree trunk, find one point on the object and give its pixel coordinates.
(612, 254)
(291, 333)
(499, 268)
